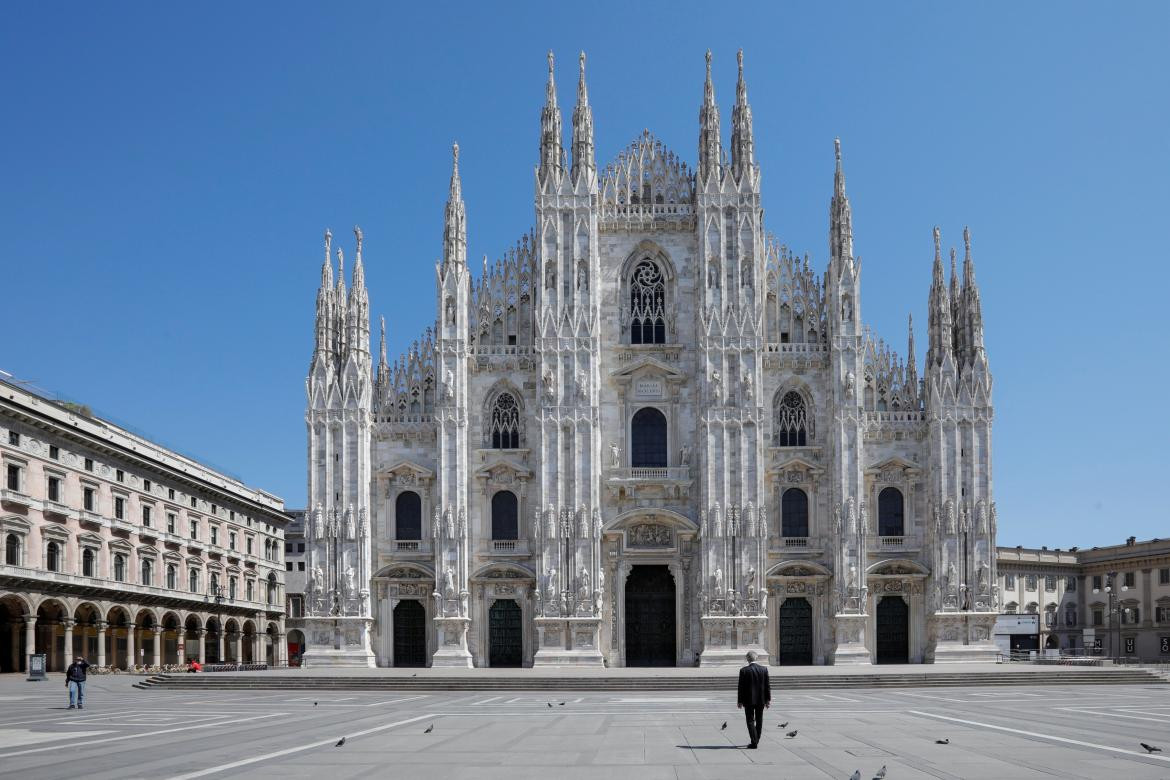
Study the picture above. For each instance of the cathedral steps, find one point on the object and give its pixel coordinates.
(649, 682)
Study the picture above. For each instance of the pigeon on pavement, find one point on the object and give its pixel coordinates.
(562, 704)
(340, 742)
(314, 704)
(783, 725)
(791, 733)
(1151, 748)
(856, 775)
(724, 726)
(881, 773)
(430, 728)
(549, 703)
(946, 741)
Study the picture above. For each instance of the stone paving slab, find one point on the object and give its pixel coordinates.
(1020, 732)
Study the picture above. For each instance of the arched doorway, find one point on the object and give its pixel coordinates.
(505, 635)
(296, 647)
(191, 640)
(170, 638)
(893, 631)
(410, 634)
(249, 654)
(85, 631)
(650, 618)
(211, 641)
(12, 615)
(796, 633)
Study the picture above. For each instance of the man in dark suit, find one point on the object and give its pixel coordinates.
(755, 694)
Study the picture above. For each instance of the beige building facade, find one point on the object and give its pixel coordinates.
(128, 553)
(1113, 601)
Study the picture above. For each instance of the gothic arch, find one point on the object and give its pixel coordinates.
(395, 570)
(647, 307)
(503, 426)
(514, 570)
(669, 517)
(788, 419)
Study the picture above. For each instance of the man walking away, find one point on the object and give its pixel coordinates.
(755, 693)
(75, 682)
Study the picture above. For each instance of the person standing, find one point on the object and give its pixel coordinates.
(75, 682)
(755, 695)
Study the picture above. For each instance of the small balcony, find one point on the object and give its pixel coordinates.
(653, 474)
(894, 544)
(507, 547)
(91, 517)
(15, 498)
(794, 544)
(122, 525)
(58, 509)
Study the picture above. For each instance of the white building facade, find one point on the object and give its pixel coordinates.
(649, 435)
(126, 552)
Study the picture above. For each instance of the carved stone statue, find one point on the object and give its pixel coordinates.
(350, 588)
(850, 381)
(951, 576)
(550, 275)
(448, 385)
(550, 384)
(717, 584)
(583, 276)
(684, 457)
(713, 275)
(583, 383)
(717, 384)
(450, 311)
(448, 583)
(852, 578)
(583, 582)
(748, 386)
(615, 455)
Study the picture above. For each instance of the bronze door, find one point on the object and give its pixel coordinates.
(796, 640)
(505, 634)
(650, 619)
(410, 634)
(893, 631)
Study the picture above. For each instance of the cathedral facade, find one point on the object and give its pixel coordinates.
(648, 435)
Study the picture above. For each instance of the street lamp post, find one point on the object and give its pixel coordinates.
(1114, 613)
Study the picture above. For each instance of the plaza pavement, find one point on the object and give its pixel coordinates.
(1088, 732)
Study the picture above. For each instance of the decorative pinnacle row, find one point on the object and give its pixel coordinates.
(709, 144)
(342, 323)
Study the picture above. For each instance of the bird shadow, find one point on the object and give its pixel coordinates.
(710, 747)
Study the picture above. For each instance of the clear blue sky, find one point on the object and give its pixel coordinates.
(167, 170)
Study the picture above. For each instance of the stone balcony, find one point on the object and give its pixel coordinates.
(506, 547)
(795, 544)
(666, 482)
(16, 498)
(894, 544)
(58, 509)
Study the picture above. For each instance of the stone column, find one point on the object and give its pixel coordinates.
(239, 647)
(131, 651)
(30, 635)
(202, 645)
(281, 652)
(101, 639)
(68, 625)
(158, 643)
(219, 644)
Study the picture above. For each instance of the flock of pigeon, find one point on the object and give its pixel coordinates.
(879, 775)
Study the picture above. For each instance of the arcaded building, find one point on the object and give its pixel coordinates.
(650, 434)
(126, 552)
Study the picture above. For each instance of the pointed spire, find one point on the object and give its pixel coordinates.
(958, 330)
(359, 271)
(840, 216)
(910, 358)
(455, 219)
(323, 331)
(939, 309)
(341, 318)
(971, 301)
(551, 153)
(382, 363)
(742, 142)
(583, 155)
(709, 145)
(327, 266)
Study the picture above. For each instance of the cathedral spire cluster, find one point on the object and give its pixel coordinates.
(343, 316)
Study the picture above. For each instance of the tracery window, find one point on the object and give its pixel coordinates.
(792, 423)
(890, 516)
(794, 513)
(505, 522)
(505, 423)
(408, 516)
(647, 304)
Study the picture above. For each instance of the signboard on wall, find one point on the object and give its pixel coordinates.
(1164, 645)
(648, 388)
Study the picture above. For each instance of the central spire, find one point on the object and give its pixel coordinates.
(742, 142)
(709, 144)
(583, 155)
(551, 153)
(455, 219)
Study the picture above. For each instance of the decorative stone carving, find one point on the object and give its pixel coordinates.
(650, 535)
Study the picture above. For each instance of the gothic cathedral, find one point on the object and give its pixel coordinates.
(649, 435)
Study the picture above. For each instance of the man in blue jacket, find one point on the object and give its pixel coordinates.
(75, 682)
(755, 695)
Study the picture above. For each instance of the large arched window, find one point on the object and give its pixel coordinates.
(505, 518)
(408, 516)
(193, 581)
(890, 521)
(119, 568)
(792, 423)
(172, 577)
(648, 439)
(647, 304)
(147, 572)
(88, 562)
(12, 550)
(53, 557)
(505, 423)
(794, 513)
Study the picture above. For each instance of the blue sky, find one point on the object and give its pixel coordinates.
(167, 171)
